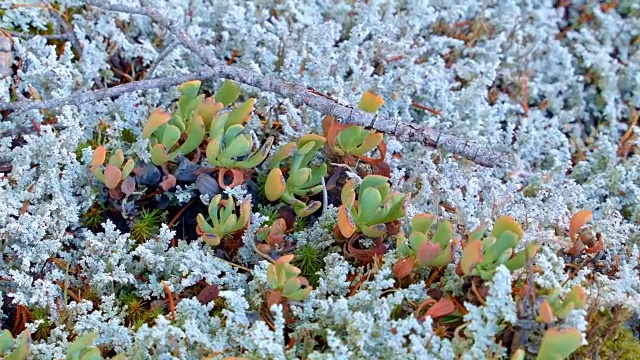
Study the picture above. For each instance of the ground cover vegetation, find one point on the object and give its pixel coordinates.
(335, 179)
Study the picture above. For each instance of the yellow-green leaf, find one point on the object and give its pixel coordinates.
(227, 93)
(370, 102)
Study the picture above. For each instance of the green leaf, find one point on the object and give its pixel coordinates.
(306, 192)
(117, 158)
(208, 109)
(272, 277)
(347, 137)
(445, 258)
(393, 208)
(75, 349)
(559, 343)
(318, 142)
(170, 136)
(374, 231)
(368, 205)
(127, 168)
(6, 341)
(227, 93)
(275, 185)
(376, 181)
(506, 223)
(159, 154)
(283, 152)
(304, 211)
(416, 239)
(240, 146)
(241, 114)
(203, 224)
(232, 132)
(443, 233)
(22, 351)
(156, 120)
(370, 142)
(300, 294)
(478, 232)
(189, 89)
(298, 177)
(189, 99)
(258, 157)
(507, 241)
(195, 133)
(317, 172)
(211, 239)
(291, 286)
(422, 223)
(213, 148)
(520, 259)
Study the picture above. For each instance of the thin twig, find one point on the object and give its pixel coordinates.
(25, 35)
(300, 94)
(82, 98)
(68, 29)
(172, 306)
(325, 196)
(163, 54)
(116, 7)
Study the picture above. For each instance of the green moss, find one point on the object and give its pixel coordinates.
(128, 136)
(44, 329)
(300, 224)
(309, 260)
(270, 211)
(147, 224)
(94, 217)
(609, 337)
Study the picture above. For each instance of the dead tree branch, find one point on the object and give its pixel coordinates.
(297, 92)
(86, 97)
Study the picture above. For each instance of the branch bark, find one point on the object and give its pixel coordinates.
(301, 94)
(80, 98)
(297, 92)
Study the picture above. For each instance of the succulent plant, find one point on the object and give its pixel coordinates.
(180, 133)
(272, 235)
(558, 344)
(228, 146)
(554, 306)
(482, 256)
(583, 239)
(376, 206)
(22, 345)
(223, 218)
(283, 278)
(83, 349)
(423, 248)
(302, 179)
(347, 140)
(115, 171)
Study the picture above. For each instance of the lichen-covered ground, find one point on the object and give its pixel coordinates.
(145, 219)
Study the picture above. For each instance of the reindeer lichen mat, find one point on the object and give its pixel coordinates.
(319, 179)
